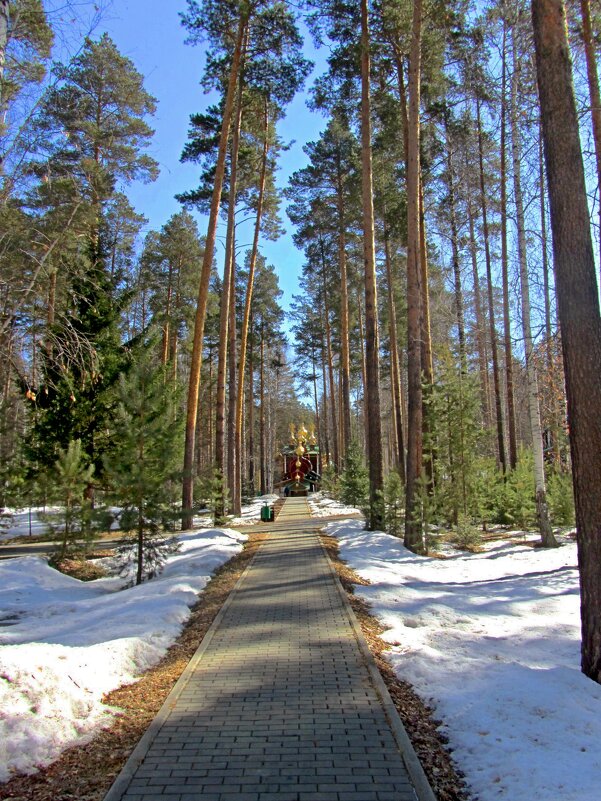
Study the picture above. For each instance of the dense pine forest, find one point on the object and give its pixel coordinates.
(445, 339)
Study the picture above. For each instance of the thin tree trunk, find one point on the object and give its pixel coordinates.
(326, 441)
(395, 373)
(363, 361)
(578, 306)
(345, 365)
(511, 422)
(224, 308)
(547, 538)
(491, 303)
(413, 515)
(251, 411)
(201, 307)
(166, 326)
(458, 290)
(262, 440)
(247, 310)
(480, 323)
(232, 387)
(330, 362)
(372, 348)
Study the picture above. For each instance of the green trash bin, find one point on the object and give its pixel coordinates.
(266, 514)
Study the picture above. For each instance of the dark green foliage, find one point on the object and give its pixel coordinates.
(354, 479)
(560, 497)
(453, 413)
(69, 479)
(394, 504)
(81, 366)
(143, 465)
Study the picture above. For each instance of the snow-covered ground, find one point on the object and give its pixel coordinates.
(65, 643)
(492, 641)
(33, 522)
(322, 506)
(251, 512)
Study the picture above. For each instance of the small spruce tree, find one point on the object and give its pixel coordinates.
(69, 480)
(354, 479)
(142, 468)
(394, 504)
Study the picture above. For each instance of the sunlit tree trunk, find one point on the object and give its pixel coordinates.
(491, 304)
(224, 308)
(395, 373)
(507, 345)
(547, 537)
(578, 306)
(203, 290)
(237, 489)
(413, 516)
(372, 349)
(345, 368)
(480, 323)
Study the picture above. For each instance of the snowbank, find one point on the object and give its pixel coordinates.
(492, 641)
(66, 643)
(322, 506)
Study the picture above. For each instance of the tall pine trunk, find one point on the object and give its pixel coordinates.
(345, 367)
(203, 289)
(578, 306)
(224, 310)
(507, 345)
(547, 538)
(237, 489)
(395, 372)
(413, 516)
(372, 349)
(491, 303)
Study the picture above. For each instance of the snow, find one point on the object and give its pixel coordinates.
(322, 506)
(251, 512)
(492, 641)
(66, 643)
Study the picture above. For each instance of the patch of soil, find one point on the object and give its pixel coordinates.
(418, 719)
(78, 568)
(86, 772)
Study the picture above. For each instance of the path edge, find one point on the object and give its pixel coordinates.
(119, 786)
(420, 782)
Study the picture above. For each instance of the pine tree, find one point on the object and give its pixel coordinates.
(142, 466)
(70, 479)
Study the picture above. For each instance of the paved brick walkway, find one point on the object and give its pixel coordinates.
(278, 704)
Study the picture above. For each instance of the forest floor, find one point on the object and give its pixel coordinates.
(86, 772)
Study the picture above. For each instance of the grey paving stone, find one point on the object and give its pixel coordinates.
(281, 705)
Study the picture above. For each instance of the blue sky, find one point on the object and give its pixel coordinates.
(150, 34)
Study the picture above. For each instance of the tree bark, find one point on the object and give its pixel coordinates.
(480, 323)
(507, 346)
(578, 306)
(232, 387)
(345, 365)
(458, 291)
(491, 304)
(237, 497)
(547, 538)
(372, 345)
(224, 308)
(203, 289)
(414, 539)
(395, 373)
